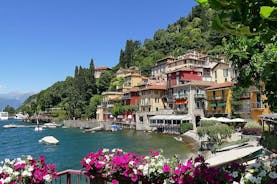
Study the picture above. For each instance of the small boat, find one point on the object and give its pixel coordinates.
(49, 140)
(178, 139)
(38, 128)
(115, 128)
(4, 115)
(21, 116)
(14, 126)
(50, 125)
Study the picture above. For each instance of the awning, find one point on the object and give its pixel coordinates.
(180, 102)
(213, 104)
(221, 104)
(170, 117)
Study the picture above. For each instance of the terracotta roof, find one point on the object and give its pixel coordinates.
(151, 87)
(201, 83)
(221, 85)
(101, 68)
(133, 89)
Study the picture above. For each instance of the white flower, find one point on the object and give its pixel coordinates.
(235, 174)
(29, 157)
(16, 173)
(140, 167)
(7, 180)
(262, 173)
(273, 175)
(197, 164)
(26, 173)
(135, 171)
(105, 150)
(30, 168)
(146, 158)
(274, 162)
(131, 163)
(47, 178)
(7, 169)
(88, 161)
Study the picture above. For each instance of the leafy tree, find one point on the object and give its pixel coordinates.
(116, 82)
(215, 131)
(236, 102)
(92, 108)
(10, 110)
(253, 50)
(104, 81)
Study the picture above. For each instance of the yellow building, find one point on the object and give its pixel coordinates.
(109, 99)
(219, 98)
(222, 72)
(131, 80)
(151, 98)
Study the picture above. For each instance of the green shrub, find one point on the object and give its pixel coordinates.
(252, 128)
(184, 127)
(207, 123)
(252, 124)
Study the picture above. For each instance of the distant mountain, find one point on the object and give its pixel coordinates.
(14, 99)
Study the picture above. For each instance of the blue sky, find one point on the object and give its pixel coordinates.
(41, 41)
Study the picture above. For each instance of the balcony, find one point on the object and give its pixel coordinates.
(125, 97)
(257, 105)
(181, 111)
(180, 96)
(199, 95)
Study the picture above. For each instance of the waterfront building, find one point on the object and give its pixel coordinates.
(252, 101)
(122, 72)
(98, 70)
(222, 72)
(158, 71)
(130, 80)
(151, 103)
(253, 104)
(131, 98)
(219, 99)
(109, 99)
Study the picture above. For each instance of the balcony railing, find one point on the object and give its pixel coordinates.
(257, 105)
(124, 97)
(71, 176)
(199, 95)
(180, 96)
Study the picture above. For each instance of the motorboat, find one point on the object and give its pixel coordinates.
(49, 140)
(51, 125)
(14, 126)
(4, 115)
(178, 139)
(115, 128)
(38, 128)
(21, 116)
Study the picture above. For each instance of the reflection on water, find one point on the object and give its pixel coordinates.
(74, 144)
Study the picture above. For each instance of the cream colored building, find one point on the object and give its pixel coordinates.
(222, 72)
(109, 99)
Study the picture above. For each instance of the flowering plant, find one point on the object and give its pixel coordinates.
(261, 172)
(152, 168)
(26, 170)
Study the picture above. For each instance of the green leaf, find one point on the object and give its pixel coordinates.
(274, 1)
(203, 2)
(267, 12)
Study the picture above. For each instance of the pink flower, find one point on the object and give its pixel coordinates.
(114, 181)
(134, 178)
(166, 168)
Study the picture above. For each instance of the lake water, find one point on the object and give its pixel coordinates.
(74, 145)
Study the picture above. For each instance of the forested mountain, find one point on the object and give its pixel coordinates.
(78, 96)
(193, 32)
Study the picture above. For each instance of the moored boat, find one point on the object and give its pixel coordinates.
(4, 115)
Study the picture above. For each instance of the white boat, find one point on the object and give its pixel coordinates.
(49, 140)
(178, 139)
(21, 116)
(50, 125)
(38, 128)
(14, 126)
(4, 115)
(115, 128)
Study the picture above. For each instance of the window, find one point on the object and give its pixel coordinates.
(215, 74)
(157, 109)
(157, 100)
(225, 72)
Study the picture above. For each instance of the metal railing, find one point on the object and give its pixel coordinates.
(71, 176)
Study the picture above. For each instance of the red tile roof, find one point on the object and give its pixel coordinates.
(221, 85)
(153, 87)
(101, 68)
